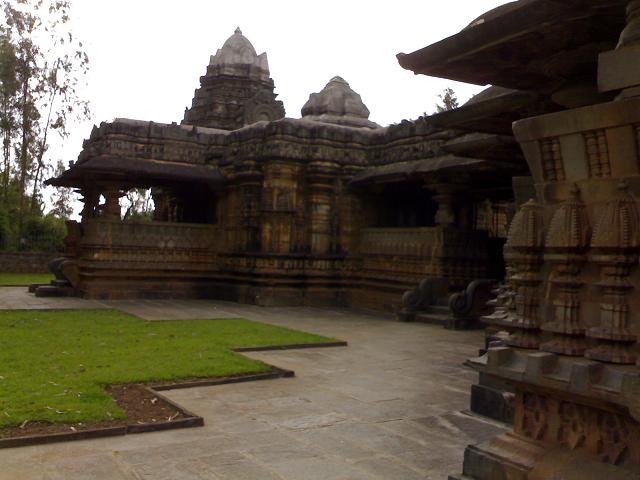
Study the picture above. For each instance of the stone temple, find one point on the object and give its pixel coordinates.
(327, 209)
(525, 198)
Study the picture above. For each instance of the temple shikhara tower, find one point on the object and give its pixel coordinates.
(518, 209)
(236, 90)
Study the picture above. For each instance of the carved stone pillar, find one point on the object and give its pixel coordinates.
(321, 192)
(111, 209)
(445, 198)
(616, 244)
(90, 198)
(567, 241)
(523, 251)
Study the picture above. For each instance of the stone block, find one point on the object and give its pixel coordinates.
(499, 356)
(619, 69)
(492, 403)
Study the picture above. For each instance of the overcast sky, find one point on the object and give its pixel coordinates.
(147, 56)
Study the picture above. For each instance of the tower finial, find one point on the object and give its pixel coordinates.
(238, 31)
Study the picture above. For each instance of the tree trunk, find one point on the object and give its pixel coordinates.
(7, 130)
(6, 153)
(34, 191)
(24, 151)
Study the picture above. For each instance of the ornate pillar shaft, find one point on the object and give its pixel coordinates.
(445, 198)
(112, 209)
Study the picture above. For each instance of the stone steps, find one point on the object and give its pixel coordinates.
(51, 291)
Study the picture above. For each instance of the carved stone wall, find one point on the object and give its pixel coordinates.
(571, 304)
(291, 228)
(610, 436)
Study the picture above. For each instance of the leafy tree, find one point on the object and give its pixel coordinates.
(448, 100)
(8, 107)
(43, 234)
(62, 199)
(6, 231)
(49, 66)
(139, 205)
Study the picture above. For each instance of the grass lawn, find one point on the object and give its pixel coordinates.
(54, 364)
(24, 278)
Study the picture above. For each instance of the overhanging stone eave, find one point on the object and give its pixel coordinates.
(493, 115)
(414, 170)
(142, 172)
(503, 148)
(459, 56)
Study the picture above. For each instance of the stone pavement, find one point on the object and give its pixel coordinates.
(388, 406)
(15, 298)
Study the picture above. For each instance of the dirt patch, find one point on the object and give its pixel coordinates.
(141, 406)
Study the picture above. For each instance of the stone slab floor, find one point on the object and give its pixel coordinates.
(388, 406)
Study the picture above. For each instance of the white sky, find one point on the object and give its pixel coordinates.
(147, 56)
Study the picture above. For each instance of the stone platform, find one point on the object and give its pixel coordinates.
(388, 406)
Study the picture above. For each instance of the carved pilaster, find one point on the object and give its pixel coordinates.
(616, 244)
(321, 192)
(239, 211)
(523, 251)
(567, 240)
(279, 205)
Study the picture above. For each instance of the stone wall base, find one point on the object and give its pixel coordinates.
(513, 457)
(26, 262)
(493, 398)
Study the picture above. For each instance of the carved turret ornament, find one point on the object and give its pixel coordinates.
(615, 243)
(523, 251)
(504, 314)
(567, 241)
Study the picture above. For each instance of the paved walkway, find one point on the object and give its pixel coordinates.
(386, 407)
